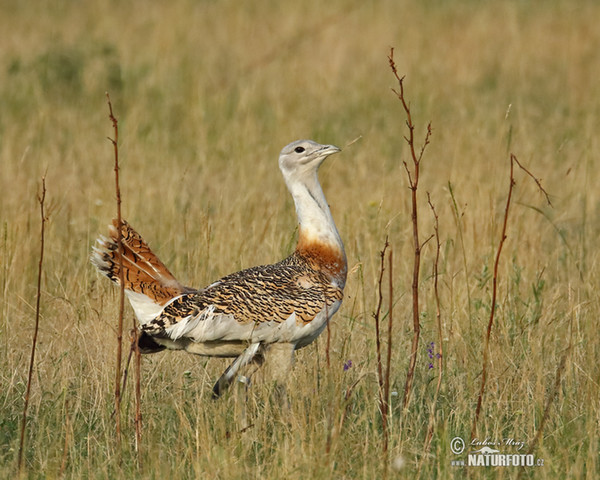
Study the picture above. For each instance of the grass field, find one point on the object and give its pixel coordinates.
(207, 93)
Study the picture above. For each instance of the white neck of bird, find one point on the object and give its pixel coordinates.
(314, 217)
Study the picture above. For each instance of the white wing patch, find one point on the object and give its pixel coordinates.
(144, 307)
(188, 324)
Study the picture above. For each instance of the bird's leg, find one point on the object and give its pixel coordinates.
(252, 354)
(279, 359)
(242, 387)
(241, 400)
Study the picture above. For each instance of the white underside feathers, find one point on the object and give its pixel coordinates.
(144, 307)
(209, 326)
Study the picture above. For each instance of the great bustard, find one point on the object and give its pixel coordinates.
(257, 315)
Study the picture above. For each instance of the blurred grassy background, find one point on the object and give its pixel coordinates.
(207, 93)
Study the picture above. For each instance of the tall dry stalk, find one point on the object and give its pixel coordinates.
(134, 332)
(461, 238)
(383, 377)
(436, 292)
(385, 405)
(135, 349)
(41, 200)
(486, 345)
(440, 351)
(328, 343)
(388, 360)
(413, 181)
(378, 347)
(377, 317)
(115, 141)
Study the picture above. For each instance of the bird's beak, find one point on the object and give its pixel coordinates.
(327, 150)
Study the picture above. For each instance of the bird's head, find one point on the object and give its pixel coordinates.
(303, 157)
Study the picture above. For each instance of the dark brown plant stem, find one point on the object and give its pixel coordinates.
(41, 199)
(114, 141)
(383, 391)
(438, 312)
(537, 181)
(376, 315)
(413, 181)
(486, 345)
(440, 352)
(328, 344)
(138, 393)
(388, 362)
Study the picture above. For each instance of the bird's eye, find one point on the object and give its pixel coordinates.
(299, 149)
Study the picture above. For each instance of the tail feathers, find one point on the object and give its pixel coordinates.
(143, 272)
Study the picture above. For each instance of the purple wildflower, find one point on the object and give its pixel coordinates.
(431, 354)
(347, 365)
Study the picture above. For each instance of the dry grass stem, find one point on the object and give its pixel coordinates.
(382, 378)
(41, 200)
(118, 360)
(377, 317)
(138, 393)
(413, 181)
(388, 361)
(486, 345)
(440, 337)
